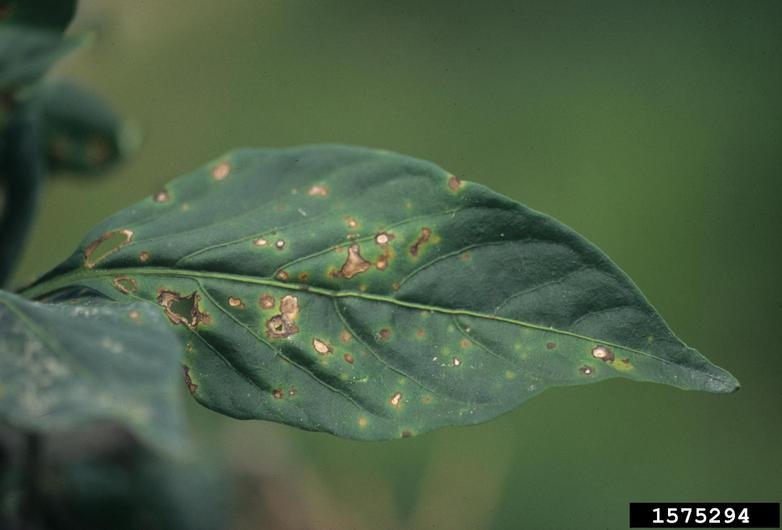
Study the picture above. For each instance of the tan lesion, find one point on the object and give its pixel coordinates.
(184, 310)
(283, 325)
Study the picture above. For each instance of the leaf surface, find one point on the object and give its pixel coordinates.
(373, 295)
(65, 364)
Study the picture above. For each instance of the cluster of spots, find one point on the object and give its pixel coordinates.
(282, 325)
(125, 284)
(235, 302)
(415, 248)
(318, 190)
(221, 171)
(182, 310)
(383, 239)
(321, 347)
(603, 353)
(161, 196)
(354, 264)
(144, 256)
(279, 393)
(192, 387)
(112, 241)
(586, 370)
(454, 183)
(396, 399)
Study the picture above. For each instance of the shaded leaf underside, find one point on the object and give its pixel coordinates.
(373, 295)
(63, 365)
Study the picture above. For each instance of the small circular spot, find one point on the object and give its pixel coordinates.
(586, 370)
(352, 223)
(381, 263)
(235, 302)
(456, 361)
(221, 171)
(144, 256)
(603, 353)
(465, 343)
(162, 196)
(320, 346)
(345, 335)
(134, 315)
(384, 334)
(277, 393)
(362, 422)
(551, 345)
(280, 244)
(382, 238)
(261, 242)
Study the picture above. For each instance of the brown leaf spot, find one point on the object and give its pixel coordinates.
(266, 301)
(465, 343)
(384, 334)
(114, 240)
(345, 336)
(320, 346)
(603, 353)
(125, 284)
(551, 345)
(426, 233)
(354, 264)
(348, 358)
(191, 387)
(465, 257)
(277, 393)
(396, 399)
(144, 256)
(318, 190)
(235, 302)
(304, 276)
(383, 238)
(381, 262)
(586, 370)
(625, 360)
(395, 286)
(289, 307)
(420, 333)
(182, 310)
(282, 276)
(351, 222)
(161, 196)
(221, 171)
(454, 183)
(260, 242)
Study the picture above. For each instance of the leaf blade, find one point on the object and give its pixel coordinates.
(446, 292)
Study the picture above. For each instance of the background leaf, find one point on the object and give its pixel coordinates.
(373, 295)
(53, 15)
(63, 365)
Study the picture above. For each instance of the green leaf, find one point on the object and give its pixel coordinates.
(63, 365)
(53, 15)
(372, 295)
(81, 132)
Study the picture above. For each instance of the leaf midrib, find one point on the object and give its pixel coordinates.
(72, 277)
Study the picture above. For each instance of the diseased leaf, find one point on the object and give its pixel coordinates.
(62, 365)
(81, 132)
(372, 295)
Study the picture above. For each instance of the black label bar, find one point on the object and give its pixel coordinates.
(704, 515)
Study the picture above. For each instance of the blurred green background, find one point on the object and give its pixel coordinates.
(652, 128)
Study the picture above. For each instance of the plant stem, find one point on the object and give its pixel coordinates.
(21, 172)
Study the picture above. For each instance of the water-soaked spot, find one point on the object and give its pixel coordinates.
(551, 345)
(320, 346)
(354, 264)
(144, 256)
(282, 276)
(456, 361)
(426, 233)
(282, 325)
(586, 370)
(235, 302)
(362, 422)
(383, 238)
(266, 301)
(277, 393)
(348, 358)
(192, 387)
(221, 171)
(260, 242)
(318, 190)
(280, 244)
(182, 309)
(454, 183)
(406, 434)
(465, 343)
(396, 399)
(125, 284)
(603, 353)
(106, 244)
(345, 335)
(384, 334)
(161, 196)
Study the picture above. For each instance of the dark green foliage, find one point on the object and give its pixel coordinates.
(52, 15)
(89, 360)
(373, 295)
